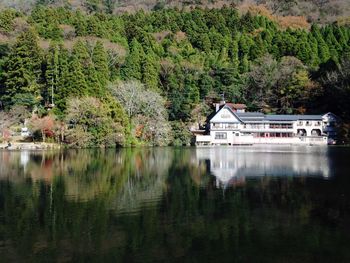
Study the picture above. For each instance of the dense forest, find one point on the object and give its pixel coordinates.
(100, 79)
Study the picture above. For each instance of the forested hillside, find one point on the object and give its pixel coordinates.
(319, 11)
(103, 79)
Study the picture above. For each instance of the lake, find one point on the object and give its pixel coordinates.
(210, 204)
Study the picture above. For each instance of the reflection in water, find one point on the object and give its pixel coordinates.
(165, 204)
(131, 177)
(231, 165)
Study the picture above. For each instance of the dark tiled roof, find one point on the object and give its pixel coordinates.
(250, 114)
(283, 117)
(258, 116)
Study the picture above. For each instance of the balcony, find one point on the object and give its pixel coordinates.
(225, 127)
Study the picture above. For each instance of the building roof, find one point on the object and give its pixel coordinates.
(288, 117)
(251, 116)
(261, 117)
(236, 117)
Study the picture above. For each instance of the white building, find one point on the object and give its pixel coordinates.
(232, 166)
(230, 126)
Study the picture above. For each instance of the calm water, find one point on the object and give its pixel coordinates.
(243, 204)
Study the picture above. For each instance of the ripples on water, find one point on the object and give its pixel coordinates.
(222, 204)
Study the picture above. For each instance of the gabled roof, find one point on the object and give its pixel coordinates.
(231, 111)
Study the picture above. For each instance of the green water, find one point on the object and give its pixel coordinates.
(243, 204)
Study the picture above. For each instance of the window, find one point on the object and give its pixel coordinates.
(221, 135)
(234, 126)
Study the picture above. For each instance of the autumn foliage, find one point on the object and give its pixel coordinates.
(45, 125)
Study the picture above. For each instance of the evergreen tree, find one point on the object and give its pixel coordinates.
(23, 71)
(80, 24)
(304, 49)
(244, 64)
(83, 56)
(100, 61)
(150, 71)
(323, 49)
(132, 67)
(205, 42)
(258, 49)
(234, 55)
(52, 73)
(314, 59)
(76, 85)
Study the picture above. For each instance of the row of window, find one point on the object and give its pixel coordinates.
(309, 123)
(273, 135)
(223, 135)
(225, 125)
(220, 135)
(265, 126)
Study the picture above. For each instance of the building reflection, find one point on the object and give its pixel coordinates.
(232, 165)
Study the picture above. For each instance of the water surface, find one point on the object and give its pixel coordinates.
(210, 204)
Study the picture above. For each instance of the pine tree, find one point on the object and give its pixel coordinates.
(340, 36)
(304, 49)
(63, 83)
(52, 73)
(205, 43)
(80, 24)
(234, 55)
(94, 87)
(100, 61)
(258, 49)
(132, 67)
(76, 81)
(23, 71)
(244, 65)
(150, 71)
(82, 55)
(323, 49)
(314, 59)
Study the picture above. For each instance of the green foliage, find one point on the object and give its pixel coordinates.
(23, 71)
(100, 61)
(46, 22)
(182, 55)
(132, 68)
(181, 134)
(150, 71)
(7, 17)
(94, 123)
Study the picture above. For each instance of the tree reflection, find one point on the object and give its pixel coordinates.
(165, 204)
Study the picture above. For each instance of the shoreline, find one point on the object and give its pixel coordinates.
(29, 146)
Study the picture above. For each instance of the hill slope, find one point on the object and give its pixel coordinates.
(321, 11)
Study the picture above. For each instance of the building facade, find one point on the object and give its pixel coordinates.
(232, 127)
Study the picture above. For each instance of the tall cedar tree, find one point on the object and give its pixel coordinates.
(150, 71)
(132, 67)
(100, 61)
(51, 74)
(23, 71)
